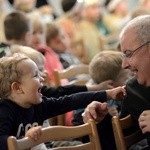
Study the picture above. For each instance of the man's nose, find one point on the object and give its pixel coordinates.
(125, 63)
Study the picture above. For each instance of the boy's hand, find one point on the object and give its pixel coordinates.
(96, 111)
(34, 133)
(108, 84)
(118, 93)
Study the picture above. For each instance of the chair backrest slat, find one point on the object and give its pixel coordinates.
(71, 72)
(124, 141)
(57, 133)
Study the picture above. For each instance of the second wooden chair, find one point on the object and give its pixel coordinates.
(134, 135)
(53, 133)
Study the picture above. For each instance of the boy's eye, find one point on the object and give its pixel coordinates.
(36, 75)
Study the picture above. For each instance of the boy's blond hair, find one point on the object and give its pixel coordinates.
(33, 54)
(10, 72)
(36, 20)
(106, 65)
(52, 31)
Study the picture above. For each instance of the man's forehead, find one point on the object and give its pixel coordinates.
(128, 37)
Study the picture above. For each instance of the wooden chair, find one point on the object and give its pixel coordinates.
(72, 72)
(54, 133)
(68, 73)
(79, 50)
(124, 141)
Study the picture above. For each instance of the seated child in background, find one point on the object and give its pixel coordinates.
(106, 65)
(30, 31)
(58, 41)
(22, 106)
(17, 29)
(38, 42)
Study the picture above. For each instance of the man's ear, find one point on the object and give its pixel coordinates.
(15, 86)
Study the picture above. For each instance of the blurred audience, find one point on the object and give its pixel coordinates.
(117, 15)
(88, 30)
(38, 42)
(60, 43)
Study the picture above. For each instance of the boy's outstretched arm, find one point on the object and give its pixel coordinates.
(118, 93)
(97, 110)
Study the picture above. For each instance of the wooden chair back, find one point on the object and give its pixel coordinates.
(71, 72)
(79, 50)
(133, 136)
(54, 133)
(47, 81)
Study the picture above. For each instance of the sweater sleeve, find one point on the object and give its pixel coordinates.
(67, 103)
(5, 127)
(62, 90)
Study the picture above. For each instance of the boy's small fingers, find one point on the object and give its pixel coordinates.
(92, 113)
(85, 117)
(103, 106)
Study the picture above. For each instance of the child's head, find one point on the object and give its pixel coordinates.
(118, 7)
(139, 11)
(33, 2)
(34, 55)
(20, 80)
(56, 38)
(17, 28)
(92, 9)
(38, 30)
(106, 65)
(24, 5)
(144, 3)
(73, 8)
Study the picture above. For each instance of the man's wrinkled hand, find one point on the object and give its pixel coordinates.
(96, 111)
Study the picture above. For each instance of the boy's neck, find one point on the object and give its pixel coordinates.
(19, 100)
(14, 41)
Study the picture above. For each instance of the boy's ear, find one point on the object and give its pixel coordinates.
(26, 37)
(15, 86)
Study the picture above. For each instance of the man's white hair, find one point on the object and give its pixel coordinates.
(141, 25)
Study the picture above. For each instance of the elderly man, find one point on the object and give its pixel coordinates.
(135, 45)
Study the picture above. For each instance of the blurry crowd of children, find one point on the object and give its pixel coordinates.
(87, 32)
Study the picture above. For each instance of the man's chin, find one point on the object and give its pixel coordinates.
(143, 82)
(39, 101)
(147, 84)
(140, 81)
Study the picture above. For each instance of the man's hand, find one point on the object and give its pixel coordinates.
(144, 121)
(96, 111)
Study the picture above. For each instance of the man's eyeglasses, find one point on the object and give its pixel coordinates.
(129, 53)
